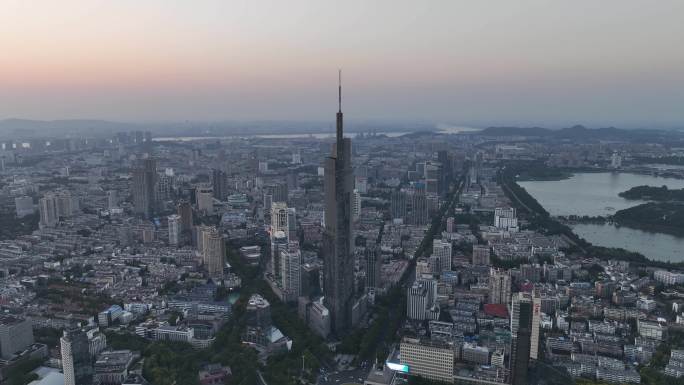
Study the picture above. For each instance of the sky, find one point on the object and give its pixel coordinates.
(474, 63)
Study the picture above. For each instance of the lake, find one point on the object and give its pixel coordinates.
(595, 194)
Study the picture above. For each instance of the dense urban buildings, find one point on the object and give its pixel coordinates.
(407, 255)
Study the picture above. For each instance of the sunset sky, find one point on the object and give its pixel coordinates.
(478, 63)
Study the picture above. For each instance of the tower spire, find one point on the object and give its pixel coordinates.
(339, 88)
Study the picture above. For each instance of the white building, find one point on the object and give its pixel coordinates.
(668, 277)
(506, 219)
(174, 229)
(420, 300)
(428, 359)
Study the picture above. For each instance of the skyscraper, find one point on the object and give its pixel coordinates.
(337, 237)
(76, 364)
(535, 301)
(373, 266)
(520, 343)
(499, 286)
(290, 271)
(144, 188)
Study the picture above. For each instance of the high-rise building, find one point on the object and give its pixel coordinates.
(499, 286)
(481, 254)
(279, 218)
(442, 250)
(24, 206)
(144, 188)
(219, 182)
(520, 343)
(356, 205)
(279, 242)
(76, 362)
(292, 223)
(290, 271)
(112, 199)
(16, 334)
(214, 252)
(451, 225)
(421, 300)
(398, 205)
(419, 209)
(337, 237)
(174, 229)
(65, 204)
(184, 210)
(204, 194)
(535, 302)
(47, 206)
(373, 266)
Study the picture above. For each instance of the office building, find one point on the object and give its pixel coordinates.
(219, 182)
(373, 266)
(16, 334)
(433, 360)
(337, 237)
(184, 210)
(145, 188)
(451, 225)
(499, 286)
(279, 218)
(112, 199)
(204, 194)
(174, 229)
(76, 362)
(481, 255)
(520, 342)
(419, 209)
(421, 300)
(356, 205)
(505, 219)
(111, 367)
(47, 207)
(279, 242)
(398, 205)
(290, 271)
(535, 302)
(23, 206)
(441, 250)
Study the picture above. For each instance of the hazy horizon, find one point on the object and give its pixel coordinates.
(525, 63)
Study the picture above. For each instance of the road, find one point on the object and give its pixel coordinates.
(345, 377)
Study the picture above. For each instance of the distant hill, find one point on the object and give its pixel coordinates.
(582, 133)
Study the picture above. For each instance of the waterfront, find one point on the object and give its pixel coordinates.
(595, 194)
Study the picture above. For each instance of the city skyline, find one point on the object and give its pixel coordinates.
(529, 63)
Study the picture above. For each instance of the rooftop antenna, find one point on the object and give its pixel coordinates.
(339, 88)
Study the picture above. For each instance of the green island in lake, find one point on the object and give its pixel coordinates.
(665, 212)
(652, 193)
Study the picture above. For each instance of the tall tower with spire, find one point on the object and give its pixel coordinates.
(337, 237)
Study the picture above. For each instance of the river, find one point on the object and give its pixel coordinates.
(595, 194)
